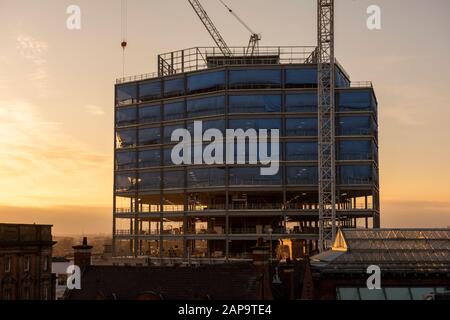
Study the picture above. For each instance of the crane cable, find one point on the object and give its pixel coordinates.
(237, 17)
(124, 31)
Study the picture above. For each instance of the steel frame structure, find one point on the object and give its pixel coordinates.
(326, 123)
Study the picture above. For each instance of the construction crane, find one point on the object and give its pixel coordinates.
(218, 39)
(254, 38)
(324, 55)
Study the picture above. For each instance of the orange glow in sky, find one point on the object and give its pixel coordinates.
(57, 86)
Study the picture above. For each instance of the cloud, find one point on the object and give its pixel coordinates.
(32, 49)
(94, 110)
(35, 51)
(43, 166)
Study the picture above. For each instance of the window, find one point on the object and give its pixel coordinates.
(125, 116)
(397, 294)
(254, 103)
(7, 294)
(255, 78)
(126, 138)
(62, 279)
(355, 174)
(46, 263)
(356, 101)
(206, 106)
(252, 176)
(125, 160)
(173, 87)
(301, 78)
(296, 151)
(168, 156)
(421, 293)
(7, 264)
(367, 294)
(203, 178)
(149, 90)
(341, 80)
(393, 293)
(126, 94)
(149, 136)
(209, 81)
(274, 123)
(302, 175)
(212, 124)
(26, 263)
(125, 182)
(360, 125)
(173, 179)
(174, 110)
(301, 127)
(149, 158)
(149, 181)
(149, 114)
(355, 150)
(348, 294)
(45, 292)
(168, 132)
(305, 102)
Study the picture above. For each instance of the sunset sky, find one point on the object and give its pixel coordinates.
(57, 85)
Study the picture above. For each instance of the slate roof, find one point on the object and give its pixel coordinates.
(393, 250)
(217, 282)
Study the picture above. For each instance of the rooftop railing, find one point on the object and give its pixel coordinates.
(199, 58)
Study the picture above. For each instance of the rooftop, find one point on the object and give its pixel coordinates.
(221, 282)
(200, 58)
(394, 250)
(24, 233)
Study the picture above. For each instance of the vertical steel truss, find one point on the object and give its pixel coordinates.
(326, 123)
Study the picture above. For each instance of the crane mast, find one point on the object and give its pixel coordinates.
(326, 123)
(218, 39)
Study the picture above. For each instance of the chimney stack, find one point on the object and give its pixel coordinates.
(82, 254)
(261, 265)
(260, 254)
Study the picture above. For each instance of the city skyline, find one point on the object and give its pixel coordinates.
(56, 110)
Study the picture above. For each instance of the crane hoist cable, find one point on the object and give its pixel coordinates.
(124, 31)
(254, 38)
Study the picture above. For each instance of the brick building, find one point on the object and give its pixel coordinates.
(25, 262)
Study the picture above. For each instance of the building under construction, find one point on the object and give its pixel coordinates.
(328, 151)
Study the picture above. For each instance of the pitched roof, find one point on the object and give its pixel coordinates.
(218, 282)
(394, 250)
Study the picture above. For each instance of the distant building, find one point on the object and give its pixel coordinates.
(25, 262)
(414, 264)
(59, 268)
